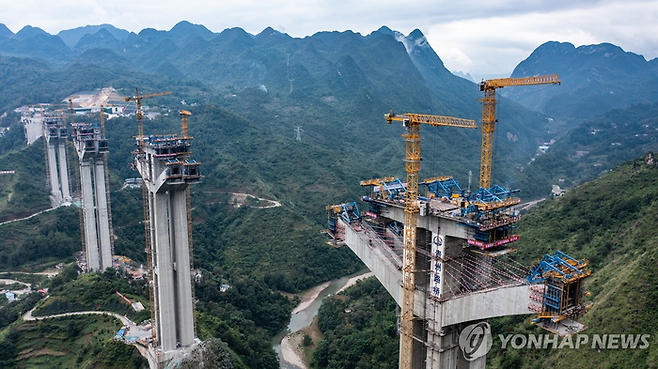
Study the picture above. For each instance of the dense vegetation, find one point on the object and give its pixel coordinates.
(596, 146)
(41, 241)
(612, 222)
(24, 192)
(72, 342)
(70, 292)
(245, 317)
(359, 328)
(10, 312)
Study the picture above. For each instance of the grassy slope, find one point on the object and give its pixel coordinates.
(77, 342)
(612, 222)
(23, 192)
(40, 242)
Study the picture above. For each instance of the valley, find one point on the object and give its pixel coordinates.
(285, 126)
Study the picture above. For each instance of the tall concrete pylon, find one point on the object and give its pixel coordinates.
(54, 132)
(91, 148)
(166, 170)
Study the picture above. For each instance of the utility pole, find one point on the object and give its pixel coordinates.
(299, 130)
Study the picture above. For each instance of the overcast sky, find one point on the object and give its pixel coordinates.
(482, 37)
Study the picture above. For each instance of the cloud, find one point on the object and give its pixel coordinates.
(453, 58)
(497, 43)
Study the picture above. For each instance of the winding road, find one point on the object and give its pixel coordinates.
(133, 329)
(29, 216)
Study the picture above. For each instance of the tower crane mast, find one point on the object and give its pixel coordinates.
(412, 123)
(145, 201)
(184, 114)
(489, 116)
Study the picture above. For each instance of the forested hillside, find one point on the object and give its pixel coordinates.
(336, 85)
(245, 137)
(596, 146)
(359, 329)
(612, 222)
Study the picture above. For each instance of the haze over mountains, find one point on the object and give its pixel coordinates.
(335, 82)
(248, 93)
(602, 76)
(595, 79)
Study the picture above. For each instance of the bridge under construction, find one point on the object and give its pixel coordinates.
(167, 170)
(96, 222)
(55, 139)
(444, 256)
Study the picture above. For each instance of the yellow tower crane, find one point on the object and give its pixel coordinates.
(489, 116)
(140, 125)
(145, 201)
(184, 114)
(412, 123)
(188, 199)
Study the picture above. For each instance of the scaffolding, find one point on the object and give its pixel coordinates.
(557, 287)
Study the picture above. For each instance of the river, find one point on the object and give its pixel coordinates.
(307, 309)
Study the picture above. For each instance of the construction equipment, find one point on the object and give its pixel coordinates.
(184, 114)
(557, 284)
(412, 123)
(77, 183)
(489, 115)
(107, 178)
(145, 201)
(393, 186)
(138, 100)
(188, 200)
(444, 186)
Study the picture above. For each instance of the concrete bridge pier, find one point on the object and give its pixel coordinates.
(454, 294)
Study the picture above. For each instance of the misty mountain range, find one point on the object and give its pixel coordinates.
(594, 77)
(342, 77)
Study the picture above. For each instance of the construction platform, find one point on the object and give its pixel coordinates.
(464, 273)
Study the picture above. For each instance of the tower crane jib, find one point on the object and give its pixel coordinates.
(489, 116)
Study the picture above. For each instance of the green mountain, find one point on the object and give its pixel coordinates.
(359, 328)
(610, 221)
(348, 80)
(602, 111)
(596, 146)
(36, 43)
(248, 94)
(595, 79)
(5, 32)
(71, 37)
